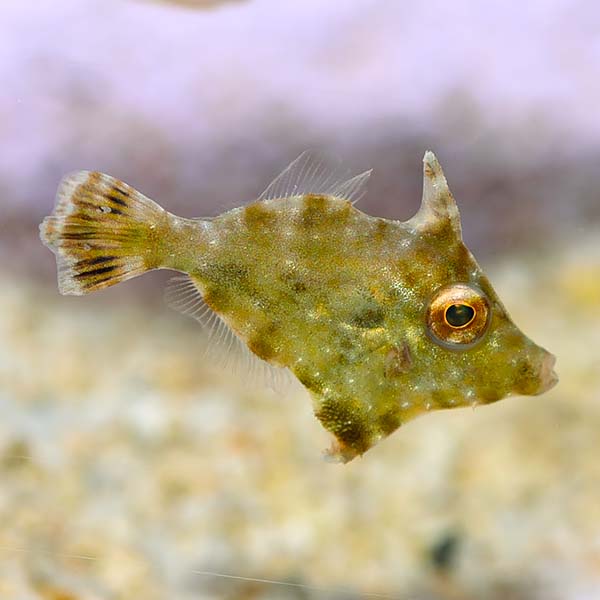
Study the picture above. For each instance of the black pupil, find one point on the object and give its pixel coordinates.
(458, 315)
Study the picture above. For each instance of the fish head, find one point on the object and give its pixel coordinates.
(471, 352)
(465, 349)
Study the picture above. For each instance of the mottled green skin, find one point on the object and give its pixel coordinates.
(340, 297)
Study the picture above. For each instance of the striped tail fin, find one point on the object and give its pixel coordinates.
(102, 231)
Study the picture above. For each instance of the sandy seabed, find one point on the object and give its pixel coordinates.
(130, 466)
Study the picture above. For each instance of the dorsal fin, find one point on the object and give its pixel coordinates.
(438, 207)
(314, 173)
(223, 345)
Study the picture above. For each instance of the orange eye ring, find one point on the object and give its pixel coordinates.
(458, 316)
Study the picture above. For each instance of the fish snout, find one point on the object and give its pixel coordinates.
(535, 374)
(547, 376)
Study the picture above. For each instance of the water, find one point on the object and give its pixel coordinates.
(132, 466)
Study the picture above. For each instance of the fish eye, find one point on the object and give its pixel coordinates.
(458, 316)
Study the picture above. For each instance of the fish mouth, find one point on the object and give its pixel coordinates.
(548, 377)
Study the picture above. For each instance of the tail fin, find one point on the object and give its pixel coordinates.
(102, 232)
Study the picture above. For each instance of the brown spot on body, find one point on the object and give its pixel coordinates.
(295, 284)
(320, 210)
(308, 379)
(398, 360)
(389, 421)
(261, 347)
(226, 279)
(258, 215)
(462, 263)
(262, 342)
(410, 278)
(345, 419)
(445, 399)
(382, 228)
(291, 278)
(488, 396)
(314, 208)
(231, 273)
(369, 316)
(217, 297)
(299, 286)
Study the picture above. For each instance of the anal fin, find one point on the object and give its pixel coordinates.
(224, 347)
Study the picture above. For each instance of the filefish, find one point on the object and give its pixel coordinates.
(380, 320)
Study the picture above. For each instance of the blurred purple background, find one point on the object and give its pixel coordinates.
(200, 109)
(121, 440)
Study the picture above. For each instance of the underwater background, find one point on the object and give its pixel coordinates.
(134, 466)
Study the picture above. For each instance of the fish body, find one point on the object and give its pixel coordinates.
(380, 320)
